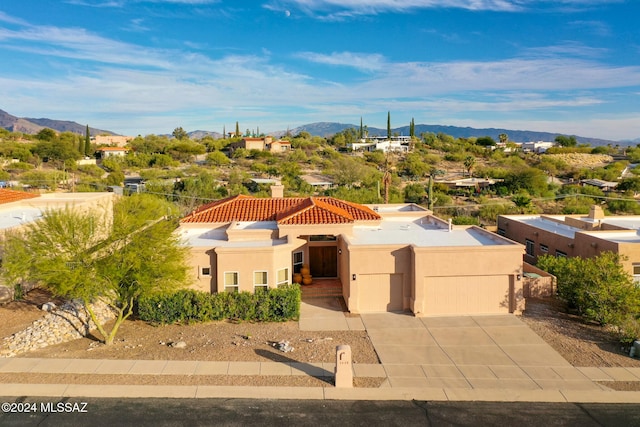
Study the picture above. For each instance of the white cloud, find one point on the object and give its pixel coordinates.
(565, 49)
(341, 9)
(116, 85)
(361, 61)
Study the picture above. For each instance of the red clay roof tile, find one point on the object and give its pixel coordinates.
(8, 196)
(290, 210)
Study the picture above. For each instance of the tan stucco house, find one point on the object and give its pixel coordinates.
(20, 208)
(576, 235)
(387, 257)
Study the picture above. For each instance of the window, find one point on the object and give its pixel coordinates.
(501, 232)
(322, 238)
(561, 254)
(298, 259)
(530, 247)
(636, 273)
(544, 248)
(205, 271)
(283, 277)
(260, 281)
(231, 281)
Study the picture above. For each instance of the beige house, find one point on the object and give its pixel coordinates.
(113, 140)
(105, 152)
(19, 208)
(387, 257)
(576, 235)
(263, 144)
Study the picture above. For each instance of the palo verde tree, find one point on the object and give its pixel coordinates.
(82, 255)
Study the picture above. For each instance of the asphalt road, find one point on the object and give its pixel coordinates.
(249, 412)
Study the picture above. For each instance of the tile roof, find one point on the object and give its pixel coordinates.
(290, 211)
(8, 196)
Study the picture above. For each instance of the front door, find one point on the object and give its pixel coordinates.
(323, 261)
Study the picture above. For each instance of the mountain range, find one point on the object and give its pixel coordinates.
(32, 126)
(324, 129)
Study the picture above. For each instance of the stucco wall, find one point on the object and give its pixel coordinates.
(381, 260)
(495, 267)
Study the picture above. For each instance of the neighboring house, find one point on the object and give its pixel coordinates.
(396, 144)
(576, 235)
(113, 140)
(478, 183)
(105, 152)
(18, 209)
(599, 183)
(263, 144)
(537, 146)
(387, 257)
(278, 146)
(319, 182)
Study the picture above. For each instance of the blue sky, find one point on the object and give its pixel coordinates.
(148, 66)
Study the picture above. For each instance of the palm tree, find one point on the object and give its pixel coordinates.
(503, 137)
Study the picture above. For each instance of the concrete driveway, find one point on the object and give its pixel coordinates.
(488, 352)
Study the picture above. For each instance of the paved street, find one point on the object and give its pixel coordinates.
(245, 412)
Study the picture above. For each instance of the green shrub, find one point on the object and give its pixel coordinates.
(598, 288)
(465, 220)
(188, 306)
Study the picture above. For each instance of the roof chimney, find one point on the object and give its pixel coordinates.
(596, 212)
(277, 191)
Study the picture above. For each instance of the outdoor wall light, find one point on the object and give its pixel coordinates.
(353, 277)
(339, 251)
(519, 277)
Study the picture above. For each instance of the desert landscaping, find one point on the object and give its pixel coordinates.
(581, 344)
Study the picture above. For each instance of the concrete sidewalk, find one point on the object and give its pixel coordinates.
(438, 383)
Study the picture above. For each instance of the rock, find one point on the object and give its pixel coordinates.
(178, 344)
(48, 306)
(6, 294)
(70, 321)
(284, 346)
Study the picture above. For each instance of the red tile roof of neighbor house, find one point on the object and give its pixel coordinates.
(113, 149)
(289, 210)
(8, 196)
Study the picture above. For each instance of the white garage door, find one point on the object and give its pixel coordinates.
(462, 295)
(380, 292)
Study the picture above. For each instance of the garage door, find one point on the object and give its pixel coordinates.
(462, 295)
(380, 292)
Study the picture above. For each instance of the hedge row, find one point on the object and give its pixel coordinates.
(188, 306)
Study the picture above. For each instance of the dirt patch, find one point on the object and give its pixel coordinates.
(186, 380)
(213, 341)
(217, 341)
(581, 343)
(18, 315)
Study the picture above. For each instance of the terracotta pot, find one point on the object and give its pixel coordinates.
(307, 279)
(305, 270)
(297, 278)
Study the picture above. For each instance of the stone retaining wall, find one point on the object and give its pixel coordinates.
(68, 322)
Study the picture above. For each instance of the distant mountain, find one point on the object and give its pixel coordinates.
(327, 129)
(32, 126)
(199, 134)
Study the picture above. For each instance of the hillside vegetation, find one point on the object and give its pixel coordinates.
(191, 172)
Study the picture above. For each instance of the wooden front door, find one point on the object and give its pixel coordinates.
(323, 261)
